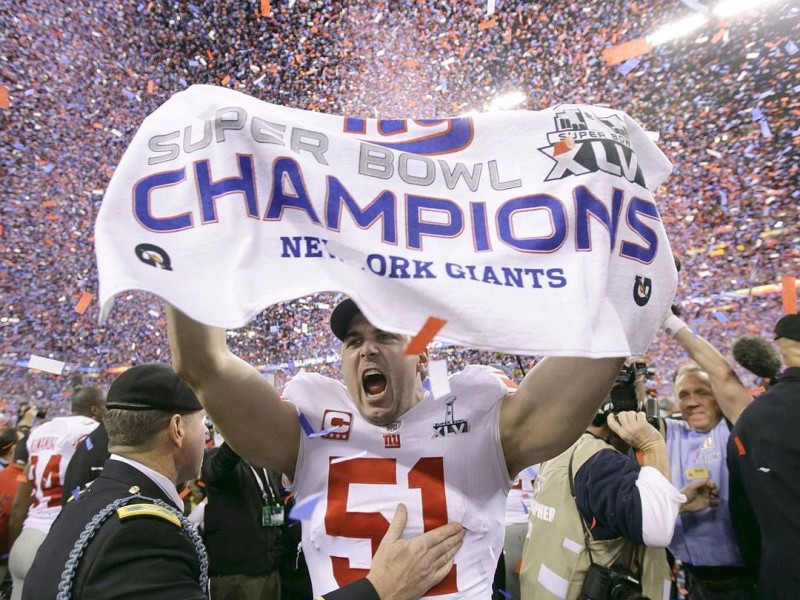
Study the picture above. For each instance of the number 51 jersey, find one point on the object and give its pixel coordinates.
(443, 459)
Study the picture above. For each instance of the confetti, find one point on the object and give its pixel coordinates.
(5, 101)
(491, 5)
(89, 444)
(83, 303)
(266, 8)
(419, 342)
(342, 459)
(304, 510)
(151, 86)
(487, 24)
(225, 80)
(622, 52)
(46, 364)
(563, 146)
(76, 494)
(305, 424)
(789, 290)
(629, 65)
(325, 431)
(440, 382)
(720, 316)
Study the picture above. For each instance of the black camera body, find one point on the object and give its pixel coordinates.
(610, 583)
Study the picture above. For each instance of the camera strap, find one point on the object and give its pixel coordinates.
(636, 559)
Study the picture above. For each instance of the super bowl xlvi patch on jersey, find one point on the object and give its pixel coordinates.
(450, 425)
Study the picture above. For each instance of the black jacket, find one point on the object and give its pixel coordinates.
(236, 540)
(87, 462)
(145, 556)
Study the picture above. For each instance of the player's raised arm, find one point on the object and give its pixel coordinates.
(244, 406)
(553, 406)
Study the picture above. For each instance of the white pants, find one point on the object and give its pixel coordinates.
(21, 557)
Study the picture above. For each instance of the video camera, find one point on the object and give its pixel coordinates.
(629, 393)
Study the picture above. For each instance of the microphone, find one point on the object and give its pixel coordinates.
(757, 355)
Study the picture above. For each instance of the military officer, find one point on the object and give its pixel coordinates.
(125, 536)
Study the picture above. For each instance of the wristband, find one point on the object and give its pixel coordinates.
(672, 325)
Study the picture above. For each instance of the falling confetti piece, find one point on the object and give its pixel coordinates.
(305, 424)
(487, 24)
(266, 8)
(622, 52)
(46, 364)
(83, 303)
(563, 146)
(304, 510)
(440, 382)
(5, 101)
(342, 459)
(419, 342)
(225, 80)
(788, 285)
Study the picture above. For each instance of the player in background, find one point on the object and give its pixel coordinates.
(50, 448)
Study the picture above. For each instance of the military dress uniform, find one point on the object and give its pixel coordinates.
(143, 548)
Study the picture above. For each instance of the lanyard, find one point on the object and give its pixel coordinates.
(267, 493)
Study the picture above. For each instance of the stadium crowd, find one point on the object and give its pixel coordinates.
(81, 78)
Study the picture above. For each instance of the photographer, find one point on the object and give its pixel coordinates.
(600, 519)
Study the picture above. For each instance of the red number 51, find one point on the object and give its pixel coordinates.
(427, 476)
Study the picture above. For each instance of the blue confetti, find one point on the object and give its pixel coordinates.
(89, 444)
(720, 316)
(305, 424)
(505, 593)
(303, 510)
(324, 431)
(76, 494)
(629, 65)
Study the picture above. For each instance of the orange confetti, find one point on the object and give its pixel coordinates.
(49, 203)
(487, 24)
(97, 125)
(5, 101)
(622, 52)
(412, 63)
(424, 336)
(564, 146)
(151, 87)
(789, 285)
(52, 217)
(226, 80)
(83, 303)
(266, 8)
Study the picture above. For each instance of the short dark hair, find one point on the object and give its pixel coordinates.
(83, 399)
(136, 428)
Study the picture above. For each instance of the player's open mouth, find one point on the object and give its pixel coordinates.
(374, 383)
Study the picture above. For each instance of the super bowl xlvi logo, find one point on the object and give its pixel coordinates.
(450, 425)
(427, 137)
(585, 143)
(154, 256)
(642, 290)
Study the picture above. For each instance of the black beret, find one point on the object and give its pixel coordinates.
(788, 327)
(341, 317)
(152, 387)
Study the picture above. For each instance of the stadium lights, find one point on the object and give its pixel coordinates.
(729, 8)
(677, 29)
(506, 101)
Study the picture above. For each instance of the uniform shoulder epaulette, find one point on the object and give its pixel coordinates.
(148, 510)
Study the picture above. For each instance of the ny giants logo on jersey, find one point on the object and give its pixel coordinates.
(391, 439)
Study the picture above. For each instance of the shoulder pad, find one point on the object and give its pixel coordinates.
(148, 510)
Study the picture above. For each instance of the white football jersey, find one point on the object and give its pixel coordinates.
(519, 496)
(443, 459)
(50, 448)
